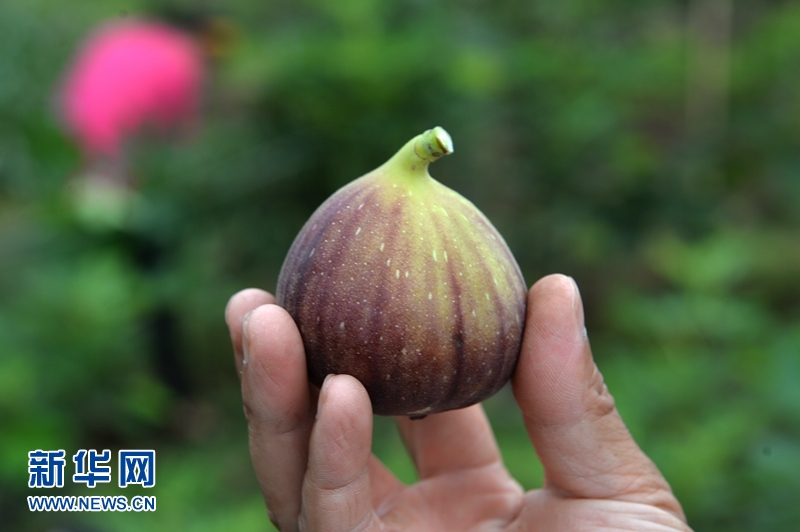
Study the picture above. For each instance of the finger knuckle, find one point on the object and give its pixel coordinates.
(600, 402)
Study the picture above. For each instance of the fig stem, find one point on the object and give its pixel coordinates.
(422, 150)
(433, 144)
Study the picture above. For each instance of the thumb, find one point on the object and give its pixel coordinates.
(584, 446)
(336, 488)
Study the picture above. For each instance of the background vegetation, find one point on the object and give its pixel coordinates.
(650, 149)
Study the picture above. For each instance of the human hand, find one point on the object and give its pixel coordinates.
(312, 450)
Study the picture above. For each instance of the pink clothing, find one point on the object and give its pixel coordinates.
(128, 75)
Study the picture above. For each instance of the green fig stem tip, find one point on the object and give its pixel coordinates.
(413, 159)
(433, 144)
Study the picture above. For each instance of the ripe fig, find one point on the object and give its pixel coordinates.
(404, 284)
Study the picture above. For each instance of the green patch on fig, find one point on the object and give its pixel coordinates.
(407, 286)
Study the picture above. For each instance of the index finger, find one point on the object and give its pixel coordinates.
(238, 306)
(276, 398)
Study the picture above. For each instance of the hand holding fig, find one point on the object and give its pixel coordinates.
(316, 471)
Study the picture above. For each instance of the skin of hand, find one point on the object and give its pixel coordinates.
(311, 449)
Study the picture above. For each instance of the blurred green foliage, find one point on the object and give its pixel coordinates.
(577, 130)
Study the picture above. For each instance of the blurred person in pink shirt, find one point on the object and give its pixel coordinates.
(130, 76)
(132, 79)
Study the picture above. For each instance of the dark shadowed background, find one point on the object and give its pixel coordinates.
(649, 149)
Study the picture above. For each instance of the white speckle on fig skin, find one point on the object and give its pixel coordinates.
(353, 320)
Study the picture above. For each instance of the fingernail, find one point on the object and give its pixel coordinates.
(273, 517)
(245, 338)
(323, 392)
(577, 305)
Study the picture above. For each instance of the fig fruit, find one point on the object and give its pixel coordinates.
(404, 284)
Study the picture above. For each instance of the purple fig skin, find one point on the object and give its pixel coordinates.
(404, 284)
